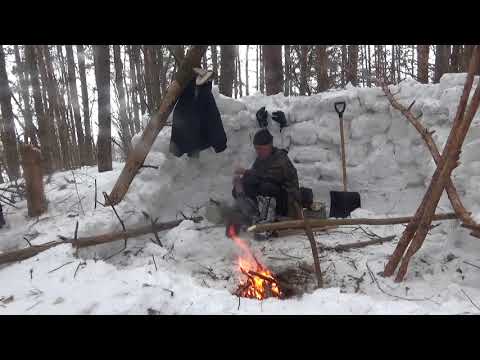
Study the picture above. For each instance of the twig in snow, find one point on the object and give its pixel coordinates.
(170, 291)
(7, 201)
(111, 256)
(76, 231)
(60, 267)
(149, 166)
(31, 307)
(468, 297)
(238, 307)
(153, 257)
(374, 279)
(78, 266)
(95, 207)
(76, 189)
(139, 251)
(25, 238)
(31, 274)
(155, 233)
(358, 281)
(290, 256)
(476, 266)
(115, 211)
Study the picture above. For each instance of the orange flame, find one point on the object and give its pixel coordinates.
(260, 282)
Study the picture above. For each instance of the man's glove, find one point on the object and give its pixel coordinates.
(262, 115)
(279, 117)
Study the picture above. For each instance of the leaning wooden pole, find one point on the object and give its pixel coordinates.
(157, 122)
(426, 135)
(414, 235)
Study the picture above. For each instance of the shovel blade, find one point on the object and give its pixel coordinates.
(342, 203)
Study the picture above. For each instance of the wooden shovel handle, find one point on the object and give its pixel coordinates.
(344, 166)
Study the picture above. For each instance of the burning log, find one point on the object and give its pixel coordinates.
(260, 283)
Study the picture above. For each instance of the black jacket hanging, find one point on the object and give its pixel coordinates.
(197, 123)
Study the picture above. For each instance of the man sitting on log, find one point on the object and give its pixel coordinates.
(271, 175)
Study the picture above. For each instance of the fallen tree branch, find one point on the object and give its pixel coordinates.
(289, 232)
(296, 224)
(357, 245)
(22, 254)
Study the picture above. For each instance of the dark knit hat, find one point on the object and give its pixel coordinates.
(262, 137)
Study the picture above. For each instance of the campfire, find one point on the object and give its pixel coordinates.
(260, 283)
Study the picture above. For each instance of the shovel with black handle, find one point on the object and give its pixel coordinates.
(342, 203)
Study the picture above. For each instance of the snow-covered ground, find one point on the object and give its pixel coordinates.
(196, 271)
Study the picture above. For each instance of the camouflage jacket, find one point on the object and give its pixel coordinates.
(279, 170)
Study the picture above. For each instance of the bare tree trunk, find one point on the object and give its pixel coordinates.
(246, 72)
(467, 55)
(441, 62)
(139, 77)
(125, 135)
(287, 70)
(33, 174)
(86, 115)
(39, 110)
(162, 70)
(239, 67)
(369, 67)
(134, 90)
(344, 64)
(102, 78)
(227, 69)
(49, 112)
(72, 81)
(75, 153)
(262, 71)
(7, 124)
(303, 69)
(156, 89)
(235, 78)
(322, 67)
(392, 66)
(147, 53)
(127, 93)
(54, 98)
(455, 59)
(213, 49)
(273, 69)
(352, 64)
(30, 135)
(422, 67)
(257, 71)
